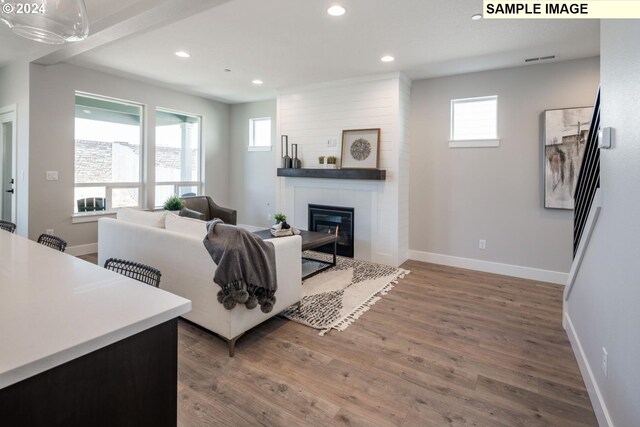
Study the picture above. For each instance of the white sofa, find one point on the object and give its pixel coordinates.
(187, 269)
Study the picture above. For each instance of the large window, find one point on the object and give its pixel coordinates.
(260, 134)
(108, 154)
(474, 122)
(177, 151)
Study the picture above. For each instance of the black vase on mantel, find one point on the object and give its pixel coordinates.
(296, 163)
(286, 160)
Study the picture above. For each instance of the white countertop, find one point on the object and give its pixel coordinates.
(55, 307)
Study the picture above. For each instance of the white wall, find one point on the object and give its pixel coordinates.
(14, 90)
(461, 195)
(313, 115)
(403, 168)
(252, 175)
(602, 310)
(52, 111)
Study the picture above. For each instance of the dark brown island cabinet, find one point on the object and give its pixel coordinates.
(81, 345)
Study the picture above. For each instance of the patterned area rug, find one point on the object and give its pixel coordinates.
(337, 297)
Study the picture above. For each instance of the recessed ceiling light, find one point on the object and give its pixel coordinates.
(476, 17)
(387, 58)
(257, 82)
(336, 10)
(183, 54)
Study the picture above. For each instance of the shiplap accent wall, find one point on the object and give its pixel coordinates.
(313, 116)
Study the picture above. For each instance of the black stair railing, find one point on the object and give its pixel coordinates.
(588, 179)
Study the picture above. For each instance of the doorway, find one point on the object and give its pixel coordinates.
(7, 164)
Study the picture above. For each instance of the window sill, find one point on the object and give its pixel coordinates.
(474, 143)
(80, 218)
(250, 148)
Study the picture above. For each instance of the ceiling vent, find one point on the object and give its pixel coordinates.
(541, 58)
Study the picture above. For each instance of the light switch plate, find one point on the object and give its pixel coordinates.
(52, 175)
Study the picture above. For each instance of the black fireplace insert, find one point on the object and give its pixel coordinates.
(325, 219)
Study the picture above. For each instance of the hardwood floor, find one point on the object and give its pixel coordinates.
(91, 258)
(446, 347)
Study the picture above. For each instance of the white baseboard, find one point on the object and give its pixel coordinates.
(599, 407)
(87, 249)
(491, 267)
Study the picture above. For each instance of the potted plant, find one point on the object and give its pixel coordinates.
(174, 204)
(281, 218)
(331, 162)
(321, 161)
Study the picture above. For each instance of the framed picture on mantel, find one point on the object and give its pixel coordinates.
(360, 149)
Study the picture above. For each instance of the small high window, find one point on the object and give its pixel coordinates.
(474, 122)
(260, 134)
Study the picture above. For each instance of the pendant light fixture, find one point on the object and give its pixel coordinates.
(49, 21)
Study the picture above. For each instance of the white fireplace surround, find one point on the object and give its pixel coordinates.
(314, 117)
(362, 197)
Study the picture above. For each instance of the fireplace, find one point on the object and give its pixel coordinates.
(325, 219)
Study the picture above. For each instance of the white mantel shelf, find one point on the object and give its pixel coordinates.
(55, 308)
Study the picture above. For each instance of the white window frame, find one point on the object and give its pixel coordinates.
(252, 134)
(471, 143)
(177, 184)
(79, 217)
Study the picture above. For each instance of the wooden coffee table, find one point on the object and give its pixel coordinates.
(311, 240)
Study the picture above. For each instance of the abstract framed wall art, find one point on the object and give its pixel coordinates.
(360, 149)
(566, 132)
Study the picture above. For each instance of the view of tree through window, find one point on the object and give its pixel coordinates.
(177, 152)
(108, 153)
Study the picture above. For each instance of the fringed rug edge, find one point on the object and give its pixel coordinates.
(346, 321)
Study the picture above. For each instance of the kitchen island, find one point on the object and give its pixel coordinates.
(81, 345)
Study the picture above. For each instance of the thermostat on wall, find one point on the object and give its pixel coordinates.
(604, 138)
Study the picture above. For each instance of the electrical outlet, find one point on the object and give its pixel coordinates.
(482, 244)
(269, 217)
(605, 357)
(331, 143)
(49, 231)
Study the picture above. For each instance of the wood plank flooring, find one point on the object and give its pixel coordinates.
(446, 347)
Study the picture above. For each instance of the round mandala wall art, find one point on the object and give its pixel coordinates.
(360, 149)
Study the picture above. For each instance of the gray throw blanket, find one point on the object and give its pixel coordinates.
(246, 269)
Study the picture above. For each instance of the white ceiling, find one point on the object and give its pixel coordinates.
(289, 43)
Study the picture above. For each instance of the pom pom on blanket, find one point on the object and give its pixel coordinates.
(246, 267)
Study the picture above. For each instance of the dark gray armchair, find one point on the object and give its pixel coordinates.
(204, 208)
